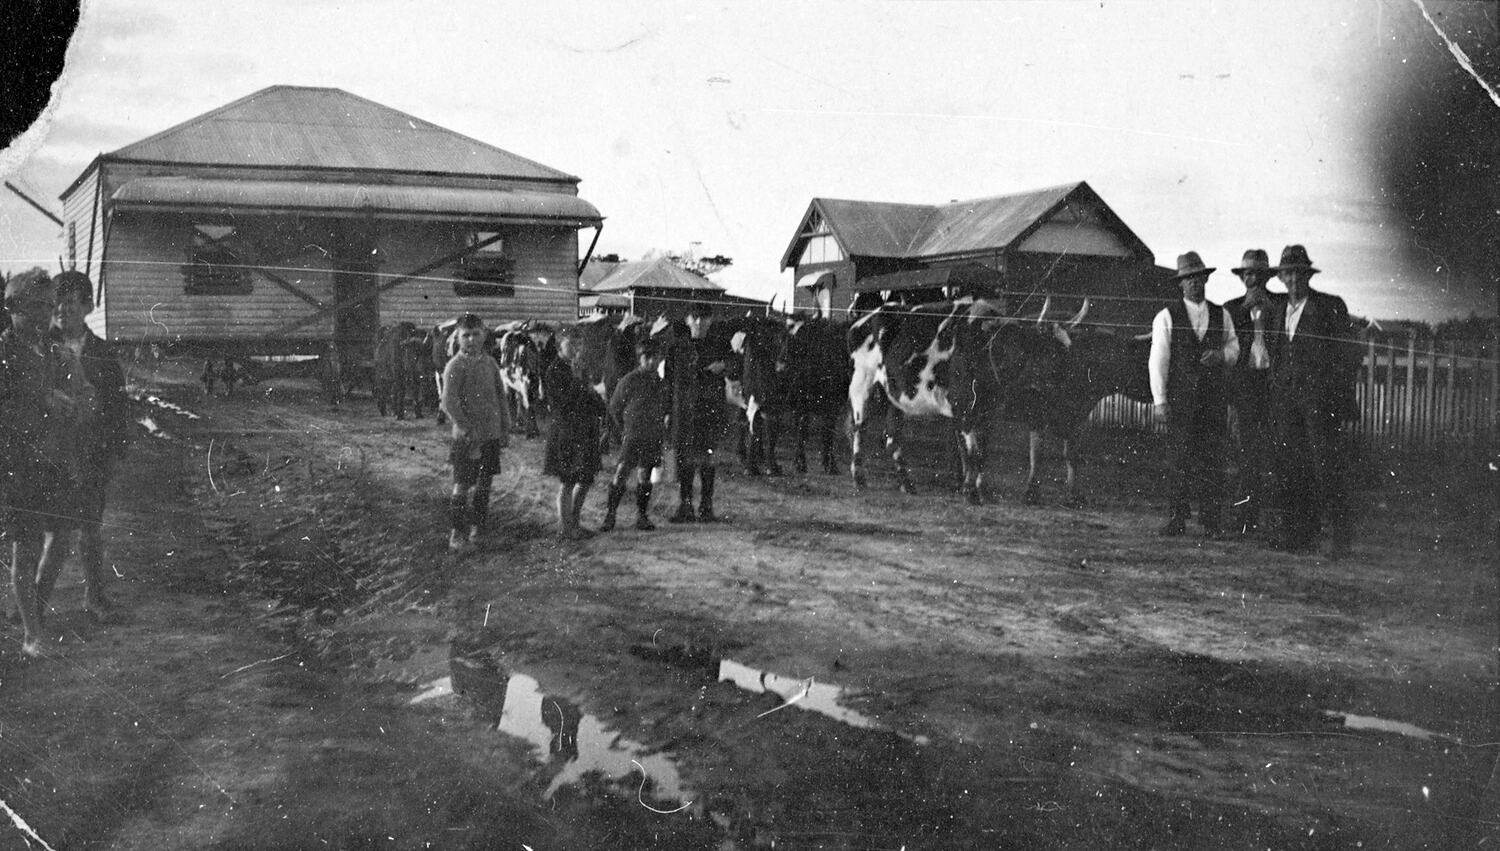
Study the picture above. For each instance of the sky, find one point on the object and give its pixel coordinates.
(1210, 125)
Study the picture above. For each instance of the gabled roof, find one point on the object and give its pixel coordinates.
(908, 231)
(660, 273)
(299, 126)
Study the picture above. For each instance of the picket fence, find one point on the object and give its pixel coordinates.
(1412, 396)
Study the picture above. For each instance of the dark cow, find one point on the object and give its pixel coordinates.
(439, 344)
(397, 370)
(1097, 364)
(961, 360)
(815, 375)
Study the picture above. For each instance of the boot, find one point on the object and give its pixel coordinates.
(706, 506)
(612, 504)
(642, 503)
(458, 519)
(684, 496)
(481, 507)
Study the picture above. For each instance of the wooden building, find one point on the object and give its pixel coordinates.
(1063, 241)
(656, 287)
(297, 216)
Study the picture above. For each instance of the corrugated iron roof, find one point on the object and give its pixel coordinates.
(878, 229)
(660, 273)
(291, 126)
(164, 193)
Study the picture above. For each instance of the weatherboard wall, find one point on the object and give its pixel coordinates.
(147, 301)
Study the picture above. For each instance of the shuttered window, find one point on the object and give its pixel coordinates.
(213, 267)
(487, 271)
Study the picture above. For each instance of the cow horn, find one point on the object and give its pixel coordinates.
(1046, 304)
(1142, 337)
(1082, 312)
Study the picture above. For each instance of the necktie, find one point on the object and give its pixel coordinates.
(1259, 359)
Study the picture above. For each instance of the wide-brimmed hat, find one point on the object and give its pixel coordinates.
(1255, 260)
(1295, 257)
(1190, 265)
(33, 285)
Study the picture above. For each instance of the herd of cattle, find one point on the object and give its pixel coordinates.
(964, 360)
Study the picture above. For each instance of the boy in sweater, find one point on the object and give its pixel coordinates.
(638, 409)
(473, 399)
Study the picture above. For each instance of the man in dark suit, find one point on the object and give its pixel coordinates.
(1192, 343)
(1250, 390)
(1312, 393)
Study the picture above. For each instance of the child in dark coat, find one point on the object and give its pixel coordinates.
(573, 439)
(639, 409)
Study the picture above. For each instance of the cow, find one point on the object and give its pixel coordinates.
(440, 345)
(962, 360)
(604, 352)
(1097, 364)
(815, 371)
(397, 370)
(524, 350)
(755, 386)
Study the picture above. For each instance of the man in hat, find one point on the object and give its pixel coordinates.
(1312, 393)
(1192, 343)
(42, 393)
(1250, 390)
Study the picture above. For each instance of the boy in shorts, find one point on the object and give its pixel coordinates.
(473, 399)
(638, 408)
(573, 438)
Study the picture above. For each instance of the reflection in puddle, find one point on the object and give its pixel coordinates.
(568, 742)
(1365, 722)
(803, 694)
(171, 406)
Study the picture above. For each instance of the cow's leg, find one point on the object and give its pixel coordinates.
(398, 397)
(1075, 499)
(800, 421)
(749, 443)
(966, 442)
(826, 425)
(894, 424)
(860, 390)
(770, 418)
(1033, 495)
(437, 382)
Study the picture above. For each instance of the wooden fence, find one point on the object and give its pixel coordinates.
(1412, 396)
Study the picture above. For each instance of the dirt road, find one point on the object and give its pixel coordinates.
(307, 666)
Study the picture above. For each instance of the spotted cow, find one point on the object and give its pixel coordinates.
(524, 349)
(961, 360)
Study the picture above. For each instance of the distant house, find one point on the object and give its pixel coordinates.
(656, 287)
(1063, 241)
(297, 216)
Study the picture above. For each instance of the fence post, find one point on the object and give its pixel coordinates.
(1427, 393)
(1409, 420)
(1371, 421)
(1493, 422)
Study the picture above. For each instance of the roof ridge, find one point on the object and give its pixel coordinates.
(415, 121)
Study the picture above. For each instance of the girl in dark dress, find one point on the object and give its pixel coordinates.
(573, 438)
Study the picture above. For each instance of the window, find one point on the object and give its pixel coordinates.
(821, 246)
(212, 267)
(486, 271)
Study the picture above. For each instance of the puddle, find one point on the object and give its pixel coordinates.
(1366, 722)
(808, 695)
(568, 742)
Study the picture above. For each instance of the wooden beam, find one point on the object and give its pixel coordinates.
(338, 306)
